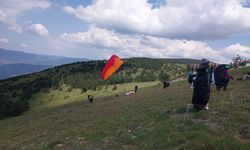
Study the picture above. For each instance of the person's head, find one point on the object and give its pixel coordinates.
(204, 64)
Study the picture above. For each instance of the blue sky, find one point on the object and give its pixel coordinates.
(217, 30)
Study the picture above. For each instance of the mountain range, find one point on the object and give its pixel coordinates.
(13, 63)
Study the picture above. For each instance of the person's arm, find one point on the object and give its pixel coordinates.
(231, 77)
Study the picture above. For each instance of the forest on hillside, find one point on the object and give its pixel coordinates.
(16, 92)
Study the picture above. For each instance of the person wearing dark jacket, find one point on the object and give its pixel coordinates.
(136, 88)
(227, 79)
(90, 98)
(165, 84)
(201, 91)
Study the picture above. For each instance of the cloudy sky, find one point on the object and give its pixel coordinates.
(214, 29)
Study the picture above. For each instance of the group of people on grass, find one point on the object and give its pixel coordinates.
(202, 77)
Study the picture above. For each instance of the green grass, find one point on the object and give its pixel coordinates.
(154, 118)
(65, 95)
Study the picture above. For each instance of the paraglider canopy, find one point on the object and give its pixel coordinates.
(111, 66)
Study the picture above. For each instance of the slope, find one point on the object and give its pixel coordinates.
(16, 92)
(154, 118)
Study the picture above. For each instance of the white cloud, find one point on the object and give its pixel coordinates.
(196, 19)
(69, 10)
(10, 9)
(12, 25)
(23, 45)
(150, 46)
(39, 29)
(15, 27)
(237, 49)
(4, 41)
(2, 16)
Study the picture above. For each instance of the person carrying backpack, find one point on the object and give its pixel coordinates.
(201, 91)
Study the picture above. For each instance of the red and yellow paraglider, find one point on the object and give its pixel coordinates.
(111, 66)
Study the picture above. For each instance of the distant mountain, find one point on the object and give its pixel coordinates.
(16, 57)
(13, 63)
(11, 70)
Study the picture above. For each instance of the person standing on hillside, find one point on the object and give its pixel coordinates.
(201, 92)
(90, 98)
(227, 79)
(136, 88)
(165, 84)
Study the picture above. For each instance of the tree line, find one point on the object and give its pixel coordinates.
(16, 92)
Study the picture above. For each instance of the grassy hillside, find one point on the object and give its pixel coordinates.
(154, 118)
(16, 92)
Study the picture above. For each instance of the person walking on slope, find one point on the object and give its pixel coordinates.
(201, 91)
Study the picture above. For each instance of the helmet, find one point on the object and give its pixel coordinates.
(204, 64)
